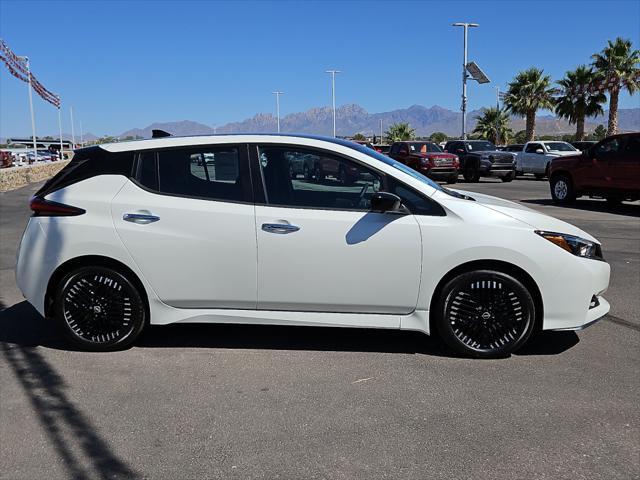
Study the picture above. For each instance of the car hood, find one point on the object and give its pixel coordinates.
(563, 154)
(537, 220)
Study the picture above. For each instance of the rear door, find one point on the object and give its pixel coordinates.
(626, 174)
(321, 249)
(188, 222)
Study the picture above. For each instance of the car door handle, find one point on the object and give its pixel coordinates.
(140, 218)
(280, 228)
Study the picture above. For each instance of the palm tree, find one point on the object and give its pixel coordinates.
(617, 69)
(399, 132)
(493, 125)
(578, 99)
(529, 92)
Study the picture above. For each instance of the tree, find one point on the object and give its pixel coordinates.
(600, 132)
(493, 125)
(399, 132)
(359, 136)
(438, 137)
(520, 136)
(529, 92)
(577, 99)
(617, 69)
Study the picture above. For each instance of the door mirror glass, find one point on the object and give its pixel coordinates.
(385, 202)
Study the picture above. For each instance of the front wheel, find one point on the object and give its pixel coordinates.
(485, 313)
(508, 177)
(99, 309)
(471, 174)
(562, 191)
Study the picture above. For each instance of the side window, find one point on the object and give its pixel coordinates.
(608, 147)
(203, 172)
(394, 149)
(532, 147)
(299, 177)
(148, 170)
(633, 147)
(416, 202)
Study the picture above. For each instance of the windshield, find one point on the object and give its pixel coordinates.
(393, 163)
(480, 146)
(560, 147)
(424, 147)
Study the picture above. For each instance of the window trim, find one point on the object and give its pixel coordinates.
(243, 166)
(260, 188)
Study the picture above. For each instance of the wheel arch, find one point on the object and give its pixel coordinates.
(86, 261)
(489, 264)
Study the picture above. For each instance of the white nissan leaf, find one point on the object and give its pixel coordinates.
(295, 230)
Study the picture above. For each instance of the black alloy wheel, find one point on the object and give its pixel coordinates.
(485, 314)
(508, 177)
(99, 309)
(471, 174)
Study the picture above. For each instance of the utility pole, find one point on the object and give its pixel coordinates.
(464, 76)
(381, 141)
(333, 96)
(277, 94)
(497, 115)
(33, 119)
(81, 137)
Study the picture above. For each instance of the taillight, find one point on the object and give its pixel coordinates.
(47, 208)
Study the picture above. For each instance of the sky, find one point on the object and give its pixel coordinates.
(125, 64)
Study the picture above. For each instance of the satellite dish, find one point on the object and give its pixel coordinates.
(476, 73)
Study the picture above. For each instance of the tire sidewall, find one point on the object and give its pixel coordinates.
(122, 343)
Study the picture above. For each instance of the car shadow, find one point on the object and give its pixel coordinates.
(22, 325)
(631, 210)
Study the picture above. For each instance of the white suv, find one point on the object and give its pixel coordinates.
(222, 229)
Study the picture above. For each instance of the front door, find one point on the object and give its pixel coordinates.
(321, 250)
(188, 222)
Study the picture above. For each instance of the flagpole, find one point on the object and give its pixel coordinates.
(60, 125)
(33, 120)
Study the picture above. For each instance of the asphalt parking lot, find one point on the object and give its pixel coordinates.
(207, 401)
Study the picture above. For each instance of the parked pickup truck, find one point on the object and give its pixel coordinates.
(426, 158)
(610, 169)
(535, 157)
(480, 158)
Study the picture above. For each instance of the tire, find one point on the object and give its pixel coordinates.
(99, 309)
(471, 174)
(485, 314)
(613, 201)
(539, 176)
(452, 179)
(508, 177)
(562, 191)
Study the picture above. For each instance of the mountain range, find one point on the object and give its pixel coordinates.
(352, 119)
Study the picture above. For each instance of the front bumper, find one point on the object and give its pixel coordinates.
(594, 315)
(442, 172)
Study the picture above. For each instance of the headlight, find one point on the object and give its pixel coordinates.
(575, 245)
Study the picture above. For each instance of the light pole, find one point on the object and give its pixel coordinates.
(277, 94)
(333, 96)
(81, 138)
(60, 125)
(381, 141)
(73, 132)
(464, 76)
(33, 119)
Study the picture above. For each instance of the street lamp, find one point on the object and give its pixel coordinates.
(464, 76)
(33, 120)
(277, 94)
(333, 96)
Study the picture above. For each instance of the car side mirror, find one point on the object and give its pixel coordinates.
(382, 202)
(539, 151)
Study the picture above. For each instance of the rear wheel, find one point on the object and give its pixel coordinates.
(562, 189)
(613, 201)
(539, 176)
(99, 309)
(485, 313)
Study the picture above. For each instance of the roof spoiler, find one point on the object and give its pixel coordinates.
(159, 134)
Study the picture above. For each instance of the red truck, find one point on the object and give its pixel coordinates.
(610, 169)
(428, 159)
